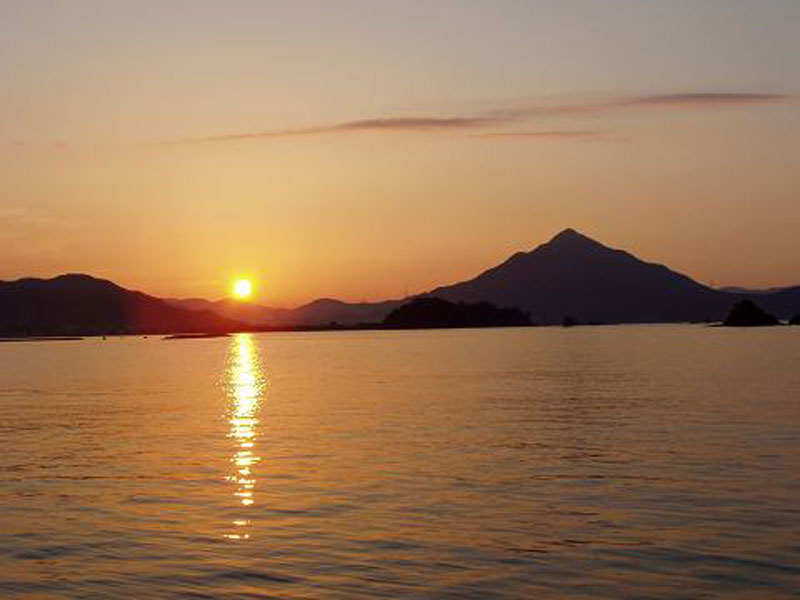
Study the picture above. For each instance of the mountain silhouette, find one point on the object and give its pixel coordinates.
(569, 279)
(784, 303)
(323, 311)
(328, 310)
(237, 310)
(83, 305)
(573, 275)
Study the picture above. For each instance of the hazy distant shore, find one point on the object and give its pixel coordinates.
(555, 283)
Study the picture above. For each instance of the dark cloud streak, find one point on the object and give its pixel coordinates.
(706, 99)
(398, 124)
(505, 117)
(699, 100)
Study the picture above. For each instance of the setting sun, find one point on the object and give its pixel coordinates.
(242, 288)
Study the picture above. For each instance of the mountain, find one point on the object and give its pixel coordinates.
(238, 310)
(575, 276)
(328, 310)
(83, 305)
(783, 304)
(317, 313)
(571, 278)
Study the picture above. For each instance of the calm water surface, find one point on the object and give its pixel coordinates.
(606, 462)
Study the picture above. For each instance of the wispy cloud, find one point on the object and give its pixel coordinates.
(699, 100)
(510, 116)
(706, 99)
(414, 124)
(385, 125)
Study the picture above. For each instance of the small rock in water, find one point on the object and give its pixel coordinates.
(746, 313)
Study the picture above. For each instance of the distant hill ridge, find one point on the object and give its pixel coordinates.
(323, 311)
(76, 304)
(570, 277)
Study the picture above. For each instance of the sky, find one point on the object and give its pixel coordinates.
(367, 150)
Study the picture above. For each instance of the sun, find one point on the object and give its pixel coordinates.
(242, 288)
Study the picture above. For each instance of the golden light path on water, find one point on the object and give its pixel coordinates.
(245, 388)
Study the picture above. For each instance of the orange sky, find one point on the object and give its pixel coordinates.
(363, 151)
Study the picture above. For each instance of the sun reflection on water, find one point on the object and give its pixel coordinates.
(245, 388)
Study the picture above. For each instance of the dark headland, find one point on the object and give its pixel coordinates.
(427, 313)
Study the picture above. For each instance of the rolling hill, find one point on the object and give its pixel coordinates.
(83, 305)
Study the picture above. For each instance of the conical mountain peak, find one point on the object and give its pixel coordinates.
(567, 233)
(571, 238)
(575, 276)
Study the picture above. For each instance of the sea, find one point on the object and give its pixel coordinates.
(639, 461)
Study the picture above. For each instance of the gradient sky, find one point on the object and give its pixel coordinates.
(365, 150)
